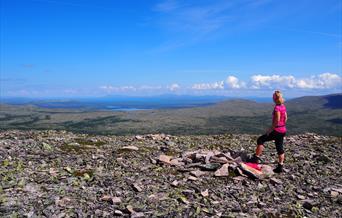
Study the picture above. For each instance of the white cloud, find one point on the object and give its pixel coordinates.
(322, 81)
(262, 82)
(147, 87)
(174, 87)
(233, 83)
(274, 81)
(140, 88)
(208, 86)
(106, 88)
(109, 88)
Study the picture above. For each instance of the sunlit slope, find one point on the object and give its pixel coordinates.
(320, 114)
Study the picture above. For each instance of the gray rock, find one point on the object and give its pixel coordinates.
(275, 181)
(130, 148)
(198, 173)
(137, 187)
(307, 204)
(137, 215)
(210, 166)
(118, 213)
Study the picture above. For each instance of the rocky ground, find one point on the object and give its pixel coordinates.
(62, 174)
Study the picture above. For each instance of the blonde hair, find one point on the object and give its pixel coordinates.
(278, 97)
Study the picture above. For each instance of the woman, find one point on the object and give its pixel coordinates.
(276, 132)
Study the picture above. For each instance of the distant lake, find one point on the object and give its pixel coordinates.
(127, 103)
(116, 108)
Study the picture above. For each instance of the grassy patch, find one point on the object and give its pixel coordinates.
(77, 148)
(83, 141)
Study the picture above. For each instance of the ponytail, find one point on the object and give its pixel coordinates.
(278, 97)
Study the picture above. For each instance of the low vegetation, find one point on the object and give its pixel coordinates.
(321, 115)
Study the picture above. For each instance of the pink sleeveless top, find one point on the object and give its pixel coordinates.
(281, 126)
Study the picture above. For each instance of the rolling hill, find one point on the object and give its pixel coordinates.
(319, 114)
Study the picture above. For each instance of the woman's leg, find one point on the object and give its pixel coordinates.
(281, 158)
(259, 150)
(279, 141)
(260, 146)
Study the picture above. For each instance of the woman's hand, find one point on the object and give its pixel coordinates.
(269, 131)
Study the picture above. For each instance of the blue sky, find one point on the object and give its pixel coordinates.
(237, 48)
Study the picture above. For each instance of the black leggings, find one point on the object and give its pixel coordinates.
(277, 137)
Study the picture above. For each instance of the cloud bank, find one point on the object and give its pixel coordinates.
(321, 81)
(258, 84)
(325, 82)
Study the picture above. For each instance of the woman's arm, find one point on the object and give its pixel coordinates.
(275, 121)
(285, 117)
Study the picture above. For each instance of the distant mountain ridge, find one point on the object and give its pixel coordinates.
(319, 114)
(332, 101)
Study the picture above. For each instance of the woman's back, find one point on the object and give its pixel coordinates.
(281, 126)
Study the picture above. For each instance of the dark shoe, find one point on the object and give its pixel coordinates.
(255, 159)
(279, 169)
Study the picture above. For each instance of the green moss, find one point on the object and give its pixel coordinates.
(2, 199)
(47, 147)
(172, 152)
(315, 209)
(83, 141)
(19, 166)
(75, 148)
(5, 163)
(83, 173)
(21, 183)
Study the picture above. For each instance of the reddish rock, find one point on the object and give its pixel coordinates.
(164, 159)
(208, 156)
(205, 193)
(139, 137)
(116, 200)
(136, 187)
(198, 173)
(130, 148)
(106, 198)
(177, 162)
(192, 178)
(223, 171)
(251, 172)
(175, 183)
